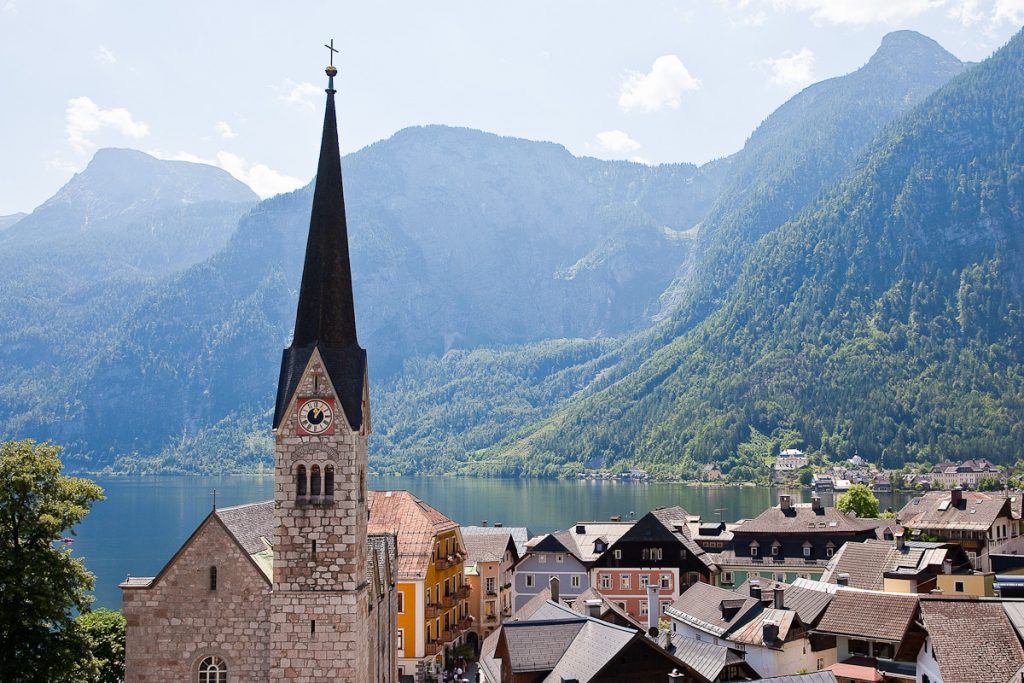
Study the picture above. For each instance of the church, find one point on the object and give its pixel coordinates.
(292, 589)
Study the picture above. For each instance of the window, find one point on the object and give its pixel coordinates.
(428, 596)
(575, 581)
(727, 578)
(489, 584)
(643, 608)
(883, 650)
(559, 558)
(958, 586)
(775, 551)
(780, 577)
(606, 581)
(666, 580)
(651, 554)
(401, 605)
(400, 640)
(692, 578)
(821, 663)
(807, 551)
(314, 480)
(329, 480)
(213, 578)
(645, 580)
(617, 553)
(624, 581)
(622, 605)
(753, 551)
(542, 558)
(213, 670)
(529, 580)
(829, 551)
(362, 484)
(598, 547)
(859, 647)
(312, 627)
(300, 480)
(664, 606)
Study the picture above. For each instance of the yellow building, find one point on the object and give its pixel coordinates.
(433, 611)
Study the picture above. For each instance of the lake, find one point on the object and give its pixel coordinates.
(144, 520)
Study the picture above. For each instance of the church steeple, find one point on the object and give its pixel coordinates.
(325, 318)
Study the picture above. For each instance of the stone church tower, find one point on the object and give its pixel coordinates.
(321, 424)
(292, 589)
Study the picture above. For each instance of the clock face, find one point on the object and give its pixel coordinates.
(315, 416)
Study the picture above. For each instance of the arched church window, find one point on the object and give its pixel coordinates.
(329, 480)
(314, 480)
(362, 484)
(213, 578)
(300, 480)
(213, 669)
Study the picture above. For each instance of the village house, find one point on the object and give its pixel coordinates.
(907, 567)
(791, 541)
(567, 555)
(983, 523)
(655, 551)
(770, 633)
(790, 460)
(491, 553)
(967, 474)
(433, 608)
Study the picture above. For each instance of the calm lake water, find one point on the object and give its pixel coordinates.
(145, 520)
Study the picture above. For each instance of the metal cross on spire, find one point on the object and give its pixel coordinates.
(214, 493)
(332, 50)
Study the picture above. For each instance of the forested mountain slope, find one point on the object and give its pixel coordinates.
(885, 319)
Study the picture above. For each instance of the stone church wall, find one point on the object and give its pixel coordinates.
(175, 623)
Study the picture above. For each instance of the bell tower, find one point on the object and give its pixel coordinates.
(319, 602)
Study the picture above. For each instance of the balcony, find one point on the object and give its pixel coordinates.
(465, 623)
(490, 618)
(432, 647)
(506, 611)
(433, 610)
(462, 592)
(449, 600)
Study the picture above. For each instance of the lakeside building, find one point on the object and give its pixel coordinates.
(433, 606)
(791, 541)
(296, 588)
(790, 460)
(967, 474)
(491, 553)
(657, 551)
(982, 523)
(567, 555)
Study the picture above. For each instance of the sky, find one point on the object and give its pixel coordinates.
(240, 85)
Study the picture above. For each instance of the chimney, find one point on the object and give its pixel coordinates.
(652, 610)
(784, 500)
(594, 608)
(899, 540)
(956, 494)
(843, 579)
(947, 566)
(616, 518)
(755, 589)
(553, 584)
(780, 599)
(483, 523)
(498, 525)
(816, 503)
(581, 529)
(770, 631)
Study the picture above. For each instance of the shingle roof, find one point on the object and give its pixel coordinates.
(415, 522)
(973, 642)
(581, 545)
(799, 517)
(877, 616)
(487, 547)
(707, 659)
(868, 562)
(811, 677)
(752, 632)
(580, 605)
(976, 511)
(596, 644)
(701, 606)
(250, 524)
(520, 534)
(535, 646)
(381, 558)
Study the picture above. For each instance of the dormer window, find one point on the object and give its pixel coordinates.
(753, 550)
(598, 547)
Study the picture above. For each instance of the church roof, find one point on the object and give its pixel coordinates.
(252, 524)
(325, 318)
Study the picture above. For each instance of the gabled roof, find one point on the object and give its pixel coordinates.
(252, 525)
(416, 524)
(488, 547)
(583, 546)
(701, 606)
(520, 534)
(596, 645)
(869, 562)
(608, 609)
(706, 658)
(870, 615)
(752, 632)
(973, 642)
(976, 511)
(810, 677)
(802, 518)
(537, 646)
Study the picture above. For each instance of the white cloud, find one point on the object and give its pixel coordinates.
(662, 87)
(225, 130)
(1009, 11)
(264, 181)
(10, 7)
(856, 12)
(105, 56)
(302, 94)
(793, 70)
(616, 142)
(84, 117)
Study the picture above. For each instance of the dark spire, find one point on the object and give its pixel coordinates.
(326, 317)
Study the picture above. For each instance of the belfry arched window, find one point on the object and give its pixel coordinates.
(329, 480)
(300, 480)
(213, 669)
(314, 480)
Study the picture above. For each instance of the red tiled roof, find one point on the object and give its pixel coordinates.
(416, 523)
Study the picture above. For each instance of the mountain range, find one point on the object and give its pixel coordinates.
(848, 281)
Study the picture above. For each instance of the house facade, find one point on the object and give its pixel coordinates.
(491, 554)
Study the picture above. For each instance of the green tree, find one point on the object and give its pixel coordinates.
(860, 500)
(806, 476)
(41, 585)
(103, 630)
